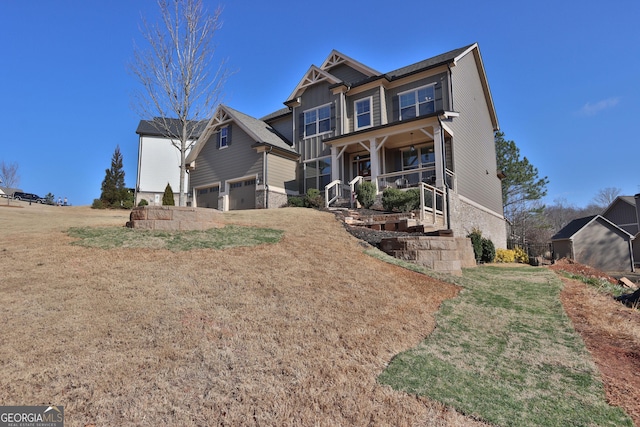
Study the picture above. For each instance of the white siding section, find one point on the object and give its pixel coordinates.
(159, 165)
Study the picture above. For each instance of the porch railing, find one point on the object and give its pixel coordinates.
(433, 203)
(352, 186)
(414, 177)
(332, 192)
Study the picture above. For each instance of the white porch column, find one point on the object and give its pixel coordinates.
(375, 162)
(439, 152)
(335, 167)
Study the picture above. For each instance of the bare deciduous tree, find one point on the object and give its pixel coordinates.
(9, 175)
(605, 196)
(180, 85)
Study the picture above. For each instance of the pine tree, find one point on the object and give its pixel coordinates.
(113, 189)
(167, 197)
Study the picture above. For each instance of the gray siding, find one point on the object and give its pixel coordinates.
(474, 152)
(602, 247)
(284, 126)
(441, 94)
(316, 96)
(347, 74)
(281, 172)
(375, 107)
(624, 216)
(237, 160)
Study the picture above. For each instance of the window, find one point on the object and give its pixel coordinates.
(317, 121)
(363, 113)
(418, 157)
(317, 173)
(224, 137)
(417, 102)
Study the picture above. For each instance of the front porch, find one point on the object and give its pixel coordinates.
(411, 154)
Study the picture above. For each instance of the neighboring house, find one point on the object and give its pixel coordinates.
(624, 211)
(597, 242)
(241, 162)
(158, 164)
(431, 122)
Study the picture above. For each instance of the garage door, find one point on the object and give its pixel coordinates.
(207, 197)
(242, 195)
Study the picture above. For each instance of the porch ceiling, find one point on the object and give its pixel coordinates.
(400, 134)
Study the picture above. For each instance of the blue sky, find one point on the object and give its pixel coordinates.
(565, 77)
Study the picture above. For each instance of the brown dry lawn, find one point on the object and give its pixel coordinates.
(288, 334)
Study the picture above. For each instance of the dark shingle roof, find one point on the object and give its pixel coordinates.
(281, 112)
(147, 127)
(572, 228)
(427, 63)
(265, 133)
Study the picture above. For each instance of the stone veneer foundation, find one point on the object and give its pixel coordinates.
(173, 218)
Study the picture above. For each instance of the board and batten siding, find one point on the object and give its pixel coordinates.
(314, 97)
(474, 151)
(221, 165)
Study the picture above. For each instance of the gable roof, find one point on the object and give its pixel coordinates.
(315, 74)
(575, 226)
(257, 129)
(311, 77)
(336, 58)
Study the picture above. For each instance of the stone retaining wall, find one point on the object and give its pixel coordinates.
(442, 254)
(173, 218)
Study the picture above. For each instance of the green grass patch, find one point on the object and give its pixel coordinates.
(602, 285)
(215, 238)
(504, 351)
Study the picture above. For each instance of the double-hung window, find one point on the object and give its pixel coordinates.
(317, 121)
(224, 138)
(362, 110)
(417, 102)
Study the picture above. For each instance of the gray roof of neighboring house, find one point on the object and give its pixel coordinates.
(261, 130)
(147, 127)
(572, 228)
(576, 225)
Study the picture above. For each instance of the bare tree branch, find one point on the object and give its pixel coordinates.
(180, 87)
(9, 175)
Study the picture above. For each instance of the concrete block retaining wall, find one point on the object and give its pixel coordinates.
(442, 254)
(173, 218)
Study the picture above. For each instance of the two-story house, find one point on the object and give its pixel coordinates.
(430, 123)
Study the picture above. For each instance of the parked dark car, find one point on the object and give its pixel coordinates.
(28, 197)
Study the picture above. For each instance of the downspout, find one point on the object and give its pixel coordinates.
(264, 177)
(450, 87)
(444, 173)
(633, 267)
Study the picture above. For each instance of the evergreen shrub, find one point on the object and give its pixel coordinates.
(167, 197)
(366, 194)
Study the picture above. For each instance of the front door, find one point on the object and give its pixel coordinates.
(361, 165)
